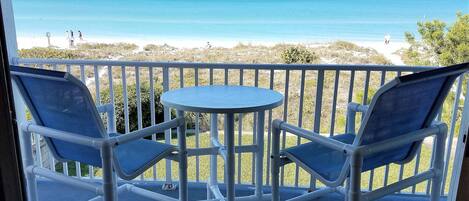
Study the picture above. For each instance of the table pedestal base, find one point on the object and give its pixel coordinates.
(228, 153)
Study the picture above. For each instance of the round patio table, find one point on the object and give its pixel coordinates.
(227, 100)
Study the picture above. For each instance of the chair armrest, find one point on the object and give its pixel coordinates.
(356, 107)
(315, 137)
(352, 110)
(439, 129)
(109, 109)
(105, 108)
(121, 139)
(30, 127)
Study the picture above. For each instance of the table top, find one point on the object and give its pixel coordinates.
(222, 99)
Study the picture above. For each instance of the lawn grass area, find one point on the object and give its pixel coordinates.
(246, 176)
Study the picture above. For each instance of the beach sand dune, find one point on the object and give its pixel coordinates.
(387, 50)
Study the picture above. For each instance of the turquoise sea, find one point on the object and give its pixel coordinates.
(263, 20)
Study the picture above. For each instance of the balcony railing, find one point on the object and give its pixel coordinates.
(315, 98)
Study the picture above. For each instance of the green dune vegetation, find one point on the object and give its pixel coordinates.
(339, 52)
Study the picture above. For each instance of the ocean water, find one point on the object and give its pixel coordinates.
(235, 20)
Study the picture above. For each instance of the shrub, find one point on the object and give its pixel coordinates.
(106, 50)
(344, 45)
(379, 59)
(49, 53)
(145, 103)
(107, 46)
(299, 55)
(132, 105)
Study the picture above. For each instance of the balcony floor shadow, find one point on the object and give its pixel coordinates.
(53, 191)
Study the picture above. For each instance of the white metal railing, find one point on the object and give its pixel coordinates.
(315, 98)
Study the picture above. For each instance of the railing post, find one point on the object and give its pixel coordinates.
(10, 31)
(167, 133)
(213, 180)
(109, 179)
(438, 162)
(181, 132)
(356, 162)
(461, 145)
(28, 161)
(275, 160)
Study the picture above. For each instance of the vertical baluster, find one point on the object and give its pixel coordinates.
(211, 76)
(82, 74)
(65, 164)
(152, 110)
(126, 100)
(181, 77)
(352, 82)
(386, 168)
(51, 157)
(416, 167)
(112, 98)
(83, 80)
(365, 102)
(139, 103)
(197, 130)
(350, 90)
(167, 133)
(452, 128)
(401, 168)
(240, 128)
(300, 119)
(334, 102)
(37, 144)
(254, 130)
(96, 82)
(211, 129)
(65, 168)
(226, 76)
(285, 116)
(317, 114)
(269, 131)
(98, 102)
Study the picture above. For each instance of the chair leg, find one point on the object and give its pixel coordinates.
(354, 193)
(437, 165)
(347, 189)
(28, 161)
(109, 185)
(183, 192)
(275, 160)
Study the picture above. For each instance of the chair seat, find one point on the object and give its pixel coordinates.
(134, 157)
(325, 161)
(328, 162)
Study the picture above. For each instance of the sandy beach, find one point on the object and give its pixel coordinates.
(61, 42)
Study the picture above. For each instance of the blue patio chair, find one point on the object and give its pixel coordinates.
(64, 113)
(400, 116)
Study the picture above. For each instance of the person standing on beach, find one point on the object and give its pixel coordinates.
(71, 39)
(80, 35)
(387, 39)
(67, 36)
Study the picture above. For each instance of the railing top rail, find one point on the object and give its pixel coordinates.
(225, 65)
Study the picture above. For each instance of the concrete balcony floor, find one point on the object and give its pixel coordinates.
(53, 191)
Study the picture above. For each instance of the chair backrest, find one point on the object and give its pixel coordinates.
(60, 101)
(406, 104)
